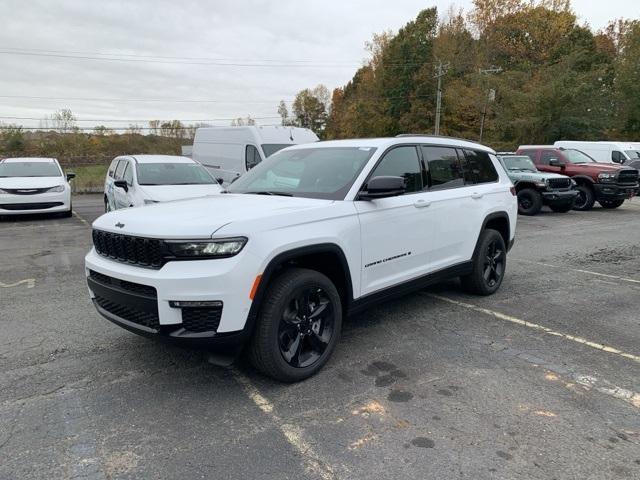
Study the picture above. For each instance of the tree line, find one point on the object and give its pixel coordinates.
(528, 68)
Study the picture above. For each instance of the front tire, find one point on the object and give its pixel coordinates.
(489, 265)
(610, 203)
(298, 326)
(585, 199)
(529, 202)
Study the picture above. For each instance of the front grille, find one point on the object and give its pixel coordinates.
(29, 206)
(559, 183)
(201, 319)
(628, 177)
(138, 288)
(146, 252)
(26, 191)
(134, 315)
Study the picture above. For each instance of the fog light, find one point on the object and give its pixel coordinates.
(194, 304)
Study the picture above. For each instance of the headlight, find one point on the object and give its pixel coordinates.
(606, 177)
(225, 247)
(58, 189)
(150, 202)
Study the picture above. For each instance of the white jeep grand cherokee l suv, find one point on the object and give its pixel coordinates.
(309, 236)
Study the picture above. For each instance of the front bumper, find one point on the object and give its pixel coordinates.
(33, 204)
(559, 197)
(606, 191)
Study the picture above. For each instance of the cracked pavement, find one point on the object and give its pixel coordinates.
(418, 387)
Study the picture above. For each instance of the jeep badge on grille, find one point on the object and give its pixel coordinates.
(119, 225)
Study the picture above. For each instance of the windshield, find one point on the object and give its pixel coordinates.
(576, 156)
(173, 174)
(271, 148)
(326, 173)
(519, 163)
(633, 154)
(29, 169)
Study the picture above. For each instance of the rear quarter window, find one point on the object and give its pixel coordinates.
(479, 167)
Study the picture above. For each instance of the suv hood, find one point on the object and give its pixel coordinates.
(31, 182)
(167, 193)
(595, 167)
(202, 217)
(533, 176)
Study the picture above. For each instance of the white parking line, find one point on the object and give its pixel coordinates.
(293, 433)
(535, 326)
(588, 272)
(79, 217)
(29, 282)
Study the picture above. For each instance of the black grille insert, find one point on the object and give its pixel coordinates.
(559, 183)
(146, 252)
(29, 206)
(137, 288)
(27, 191)
(205, 319)
(628, 177)
(131, 314)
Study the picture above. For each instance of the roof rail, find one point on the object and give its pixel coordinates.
(435, 136)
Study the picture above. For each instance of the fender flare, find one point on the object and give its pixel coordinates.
(271, 271)
(588, 179)
(493, 216)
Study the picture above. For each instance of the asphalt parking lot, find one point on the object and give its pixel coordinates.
(540, 381)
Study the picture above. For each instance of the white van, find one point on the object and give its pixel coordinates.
(604, 152)
(228, 152)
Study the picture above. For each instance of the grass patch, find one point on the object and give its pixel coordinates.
(89, 178)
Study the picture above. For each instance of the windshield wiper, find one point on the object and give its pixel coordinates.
(270, 192)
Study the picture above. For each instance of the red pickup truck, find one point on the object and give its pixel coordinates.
(607, 183)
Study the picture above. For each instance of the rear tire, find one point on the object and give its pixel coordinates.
(610, 203)
(561, 208)
(585, 199)
(489, 265)
(298, 326)
(529, 202)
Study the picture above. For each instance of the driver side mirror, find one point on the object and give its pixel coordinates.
(554, 162)
(383, 187)
(122, 184)
(70, 175)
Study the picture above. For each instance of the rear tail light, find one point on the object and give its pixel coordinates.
(513, 191)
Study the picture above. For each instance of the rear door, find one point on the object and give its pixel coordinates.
(396, 231)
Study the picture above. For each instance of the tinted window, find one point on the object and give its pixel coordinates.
(444, 168)
(479, 167)
(402, 162)
(173, 174)
(617, 157)
(253, 157)
(120, 169)
(548, 155)
(271, 148)
(529, 153)
(317, 172)
(29, 169)
(128, 174)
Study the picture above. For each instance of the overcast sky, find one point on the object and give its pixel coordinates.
(241, 55)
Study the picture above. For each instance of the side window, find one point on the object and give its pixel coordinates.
(252, 157)
(128, 173)
(120, 169)
(112, 168)
(529, 153)
(548, 155)
(617, 157)
(479, 167)
(445, 170)
(402, 162)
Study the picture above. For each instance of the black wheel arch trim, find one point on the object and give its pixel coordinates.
(282, 259)
(587, 179)
(495, 216)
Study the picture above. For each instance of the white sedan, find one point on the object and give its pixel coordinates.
(34, 185)
(137, 180)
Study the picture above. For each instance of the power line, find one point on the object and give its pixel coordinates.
(220, 63)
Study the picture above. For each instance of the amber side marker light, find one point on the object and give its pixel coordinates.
(254, 287)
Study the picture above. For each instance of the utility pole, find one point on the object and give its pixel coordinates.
(491, 96)
(442, 70)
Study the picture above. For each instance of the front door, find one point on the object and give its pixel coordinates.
(395, 231)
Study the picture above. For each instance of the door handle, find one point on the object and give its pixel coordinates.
(477, 196)
(421, 204)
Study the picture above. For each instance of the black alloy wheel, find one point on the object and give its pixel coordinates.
(306, 327)
(585, 199)
(494, 263)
